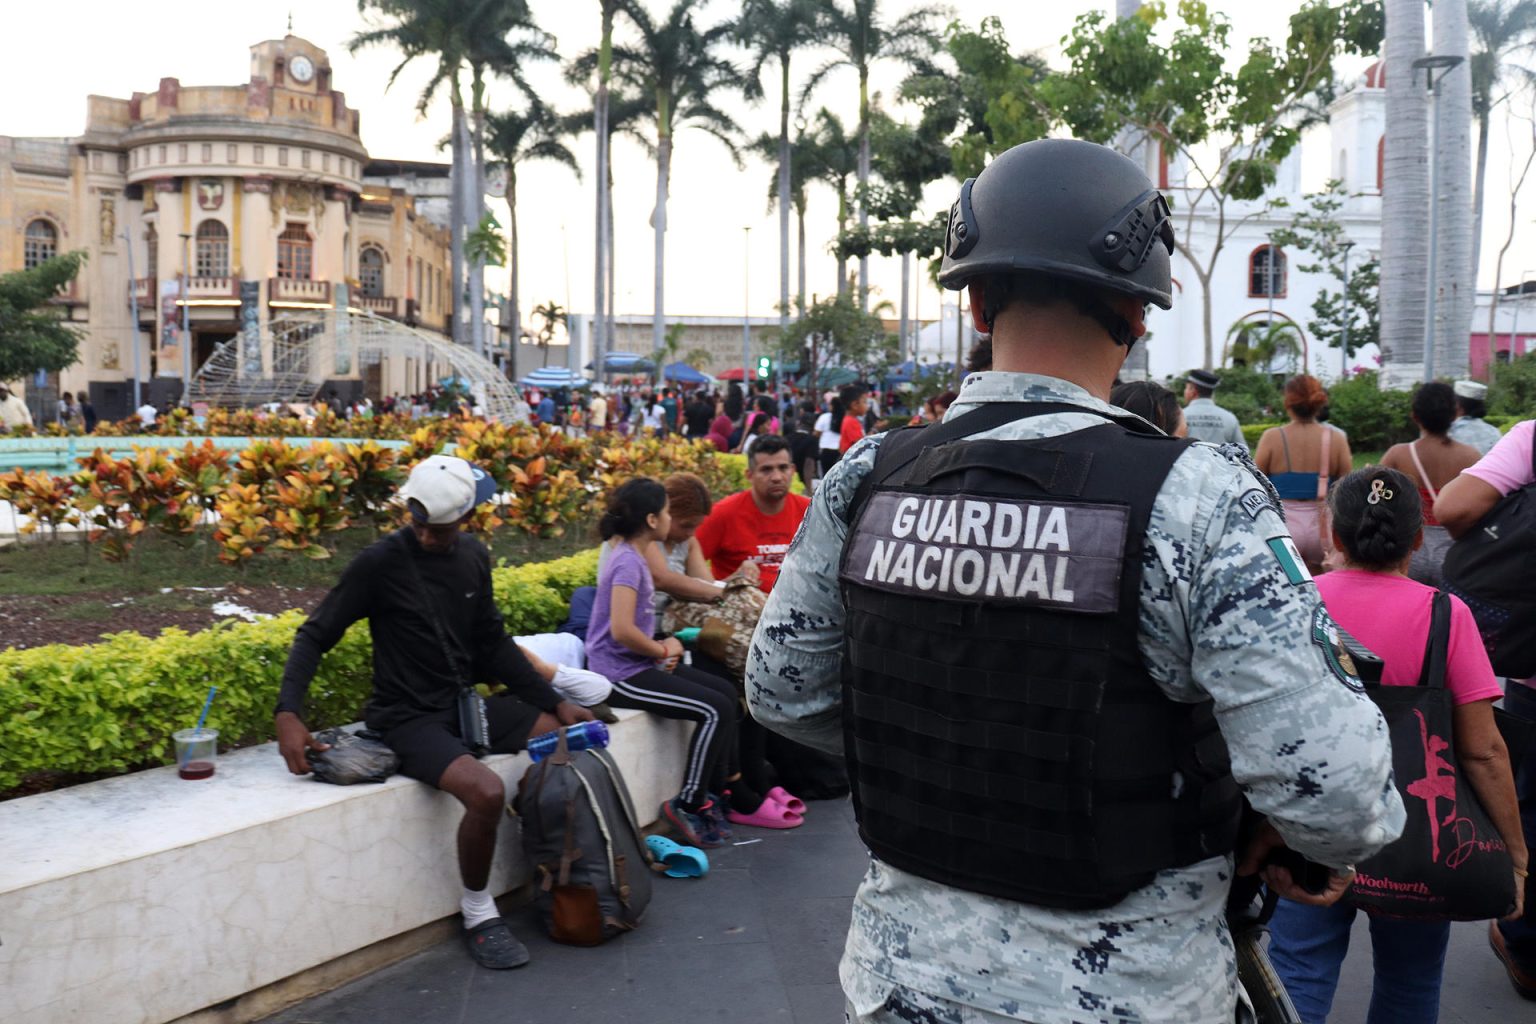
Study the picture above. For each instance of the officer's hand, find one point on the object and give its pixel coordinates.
(567, 713)
(294, 742)
(1280, 881)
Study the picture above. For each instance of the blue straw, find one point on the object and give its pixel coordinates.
(206, 705)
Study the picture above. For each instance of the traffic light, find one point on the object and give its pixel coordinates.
(764, 367)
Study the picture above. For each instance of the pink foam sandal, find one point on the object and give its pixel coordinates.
(769, 815)
(788, 801)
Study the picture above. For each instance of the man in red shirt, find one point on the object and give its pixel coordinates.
(756, 525)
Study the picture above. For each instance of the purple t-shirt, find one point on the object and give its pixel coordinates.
(623, 567)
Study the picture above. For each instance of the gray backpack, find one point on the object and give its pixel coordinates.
(592, 867)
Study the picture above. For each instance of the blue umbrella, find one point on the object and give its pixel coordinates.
(682, 373)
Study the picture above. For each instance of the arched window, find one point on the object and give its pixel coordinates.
(41, 244)
(152, 246)
(295, 253)
(370, 271)
(1266, 272)
(212, 250)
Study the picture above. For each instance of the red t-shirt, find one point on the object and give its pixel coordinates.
(850, 434)
(737, 531)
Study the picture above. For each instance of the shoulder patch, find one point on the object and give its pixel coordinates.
(1326, 635)
(1253, 502)
(1286, 553)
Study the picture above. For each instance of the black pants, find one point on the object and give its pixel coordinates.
(828, 457)
(694, 696)
(752, 738)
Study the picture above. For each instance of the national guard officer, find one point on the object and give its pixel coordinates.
(1207, 420)
(1036, 630)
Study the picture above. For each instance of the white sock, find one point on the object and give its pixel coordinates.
(477, 907)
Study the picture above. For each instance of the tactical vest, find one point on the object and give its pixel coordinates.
(1002, 733)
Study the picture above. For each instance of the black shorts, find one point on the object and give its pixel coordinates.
(427, 745)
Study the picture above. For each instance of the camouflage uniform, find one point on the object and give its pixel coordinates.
(1223, 614)
(1478, 433)
(1208, 421)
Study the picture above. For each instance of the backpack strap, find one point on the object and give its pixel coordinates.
(1438, 644)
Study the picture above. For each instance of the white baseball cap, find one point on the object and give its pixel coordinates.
(1470, 389)
(447, 487)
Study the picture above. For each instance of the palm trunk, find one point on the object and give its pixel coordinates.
(1405, 198)
(784, 194)
(864, 183)
(659, 220)
(610, 328)
(1455, 290)
(800, 267)
(1480, 176)
(515, 310)
(476, 215)
(842, 225)
(456, 216)
(601, 300)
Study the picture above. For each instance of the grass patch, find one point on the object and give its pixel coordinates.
(41, 568)
(91, 611)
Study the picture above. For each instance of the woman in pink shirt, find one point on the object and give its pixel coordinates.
(1378, 523)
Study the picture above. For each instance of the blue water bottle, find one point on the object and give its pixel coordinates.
(581, 736)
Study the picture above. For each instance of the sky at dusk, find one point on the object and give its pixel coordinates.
(115, 49)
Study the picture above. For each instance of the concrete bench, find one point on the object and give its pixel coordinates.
(146, 898)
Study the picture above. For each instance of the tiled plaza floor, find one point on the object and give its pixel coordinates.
(755, 942)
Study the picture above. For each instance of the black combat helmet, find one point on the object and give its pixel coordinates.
(1064, 208)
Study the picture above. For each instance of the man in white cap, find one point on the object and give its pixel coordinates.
(1470, 427)
(13, 411)
(426, 593)
(1208, 421)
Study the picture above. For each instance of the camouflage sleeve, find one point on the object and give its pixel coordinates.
(794, 668)
(1229, 612)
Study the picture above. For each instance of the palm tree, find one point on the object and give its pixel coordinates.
(861, 36)
(554, 315)
(774, 30)
(1455, 291)
(802, 158)
(675, 64)
(831, 158)
(430, 29)
(1500, 29)
(1405, 197)
(517, 137)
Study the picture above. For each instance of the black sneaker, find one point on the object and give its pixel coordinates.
(493, 945)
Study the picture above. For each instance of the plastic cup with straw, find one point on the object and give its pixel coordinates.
(196, 748)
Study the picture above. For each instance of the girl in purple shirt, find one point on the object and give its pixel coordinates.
(646, 673)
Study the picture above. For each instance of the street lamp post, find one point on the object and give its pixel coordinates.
(1348, 313)
(746, 322)
(133, 329)
(1443, 63)
(186, 329)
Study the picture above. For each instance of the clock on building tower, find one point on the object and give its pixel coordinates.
(302, 68)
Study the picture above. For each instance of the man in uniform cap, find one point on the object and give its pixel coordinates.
(1470, 427)
(426, 593)
(1036, 630)
(1208, 421)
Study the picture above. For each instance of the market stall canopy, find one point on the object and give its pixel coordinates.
(625, 362)
(554, 377)
(734, 373)
(682, 373)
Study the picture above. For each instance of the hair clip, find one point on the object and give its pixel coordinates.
(1379, 492)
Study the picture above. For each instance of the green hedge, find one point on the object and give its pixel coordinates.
(112, 706)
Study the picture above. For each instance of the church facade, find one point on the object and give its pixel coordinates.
(207, 212)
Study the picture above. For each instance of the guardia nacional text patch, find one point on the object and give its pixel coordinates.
(979, 548)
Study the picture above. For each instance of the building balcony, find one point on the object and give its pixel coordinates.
(213, 288)
(146, 291)
(302, 294)
(380, 304)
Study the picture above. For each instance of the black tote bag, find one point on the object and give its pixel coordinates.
(1450, 863)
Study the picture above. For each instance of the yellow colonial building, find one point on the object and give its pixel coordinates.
(213, 210)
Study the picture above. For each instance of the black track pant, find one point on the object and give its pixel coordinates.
(694, 696)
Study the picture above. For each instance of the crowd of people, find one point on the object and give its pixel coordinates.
(1077, 670)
